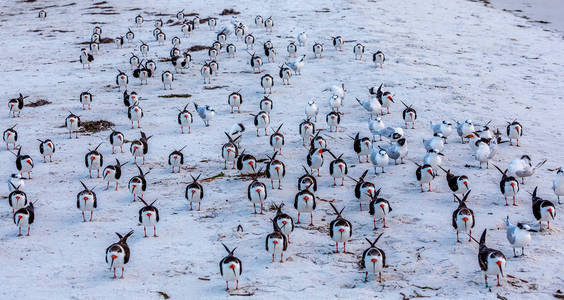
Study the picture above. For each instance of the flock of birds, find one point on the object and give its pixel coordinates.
(483, 139)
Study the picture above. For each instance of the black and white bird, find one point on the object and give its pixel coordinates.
(338, 42)
(315, 159)
(373, 259)
(42, 15)
(135, 114)
(206, 71)
(492, 262)
(458, 184)
(285, 74)
(333, 120)
(363, 190)
(230, 268)
(122, 80)
(275, 170)
(85, 58)
(16, 180)
(379, 208)
(261, 120)
(151, 65)
(176, 159)
(134, 61)
(249, 41)
(16, 105)
(318, 141)
(138, 20)
(10, 136)
(94, 160)
(148, 216)
(138, 184)
(514, 131)
(409, 115)
(378, 58)
(143, 73)
(194, 192)
(24, 163)
(307, 131)
(276, 242)
(543, 210)
(463, 218)
(304, 202)
(187, 29)
(212, 22)
(112, 173)
(86, 201)
(518, 235)
(508, 185)
(72, 123)
(307, 182)
(23, 217)
(119, 41)
(358, 51)
(167, 78)
(283, 221)
(230, 150)
(259, 21)
(175, 41)
(317, 49)
(362, 146)
(118, 254)
(17, 198)
(255, 62)
(185, 119)
(206, 113)
(235, 100)
(117, 139)
(231, 49)
(425, 175)
(140, 147)
(340, 230)
(270, 52)
(277, 140)
(86, 100)
(302, 38)
(257, 193)
(338, 169)
(268, 24)
(292, 49)
(246, 163)
(267, 82)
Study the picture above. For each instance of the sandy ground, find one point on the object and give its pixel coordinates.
(450, 59)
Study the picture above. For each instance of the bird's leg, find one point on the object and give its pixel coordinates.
(107, 185)
(237, 286)
(122, 272)
(298, 218)
(384, 219)
(342, 181)
(514, 204)
(91, 214)
(498, 284)
(334, 182)
(28, 230)
(470, 236)
(145, 230)
(429, 186)
(83, 218)
(486, 278)
(190, 205)
(337, 247)
(282, 257)
(255, 207)
(272, 257)
(155, 231)
(199, 203)
(374, 220)
(366, 276)
(421, 186)
(457, 240)
(506, 204)
(380, 277)
(311, 219)
(514, 253)
(115, 273)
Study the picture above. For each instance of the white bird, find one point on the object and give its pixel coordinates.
(371, 105)
(311, 110)
(297, 65)
(335, 102)
(379, 158)
(338, 90)
(523, 167)
(433, 158)
(375, 126)
(465, 128)
(16, 180)
(206, 113)
(302, 38)
(444, 128)
(557, 183)
(518, 235)
(436, 142)
(483, 153)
